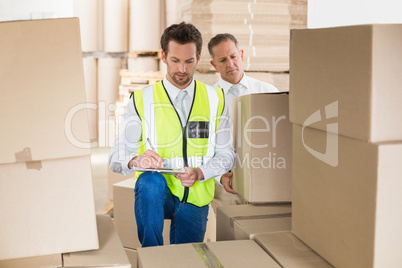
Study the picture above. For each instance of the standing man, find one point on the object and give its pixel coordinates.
(227, 59)
(177, 122)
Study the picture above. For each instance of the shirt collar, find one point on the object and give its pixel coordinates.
(173, 91)
(226, 85)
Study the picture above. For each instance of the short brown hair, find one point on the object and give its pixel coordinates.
(217, 39)
(182, 33)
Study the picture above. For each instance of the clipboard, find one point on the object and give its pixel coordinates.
(162, 170)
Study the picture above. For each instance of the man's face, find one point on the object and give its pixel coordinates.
(181, 61)
(228, 61)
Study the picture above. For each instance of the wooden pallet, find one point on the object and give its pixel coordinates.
(145, 53)
(107, 208)
(139, 78)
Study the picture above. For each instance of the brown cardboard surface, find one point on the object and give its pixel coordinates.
(110, 253)
(113, 178)
(239, 253)
(263, 144)
(289, 251)
(123, 211)
(226, 215)
(41, 85)
(348, 213)
(249, 228)
(47, 211)
(355, 68)
(48, 261)
(132, 255)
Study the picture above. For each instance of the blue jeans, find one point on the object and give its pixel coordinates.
(154, 202)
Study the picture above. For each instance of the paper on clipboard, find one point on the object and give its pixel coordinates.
(162, 170)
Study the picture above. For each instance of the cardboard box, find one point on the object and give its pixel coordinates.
(249, 228)
(110, 253)
(113, 178)
(289, 251)
(348, 213)
(227, 215)
(48, 208)
(240, 253)
(124, 216)
(42, 102)
(349, 73)
(263, 144)
(132, 255)
(47, 261)
(45, 176)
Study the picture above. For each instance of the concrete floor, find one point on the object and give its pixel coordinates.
(99, 161)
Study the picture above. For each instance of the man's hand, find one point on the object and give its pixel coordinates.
(188, 179)
(226, 181)
(149, 159)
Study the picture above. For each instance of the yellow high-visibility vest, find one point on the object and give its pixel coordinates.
(190, 146)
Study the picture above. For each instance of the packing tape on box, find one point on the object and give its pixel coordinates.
(26, 156)
(256, 217)
(207, 256)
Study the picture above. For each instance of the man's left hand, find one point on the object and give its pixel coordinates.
(188, 179)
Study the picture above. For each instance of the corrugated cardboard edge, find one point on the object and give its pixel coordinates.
(255, 217)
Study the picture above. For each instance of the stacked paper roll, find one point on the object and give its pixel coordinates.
(90, 71)
(143, 64)
(87, 11)
(115, 25)
(261, 27)
(144, 25)
(108, 90)
(171, 12)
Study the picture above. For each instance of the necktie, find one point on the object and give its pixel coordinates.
(235, 89)
(181, 107)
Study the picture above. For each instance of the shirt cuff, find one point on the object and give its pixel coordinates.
(218, 180)
(125, 170)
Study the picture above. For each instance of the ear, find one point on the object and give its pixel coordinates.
(213, 64)
(241, 54)
(163, 55)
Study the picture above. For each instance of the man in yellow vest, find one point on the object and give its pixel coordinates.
(175, 123)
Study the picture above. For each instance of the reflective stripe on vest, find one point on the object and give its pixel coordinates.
(161, 124)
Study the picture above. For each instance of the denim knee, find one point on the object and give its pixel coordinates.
(151, 183)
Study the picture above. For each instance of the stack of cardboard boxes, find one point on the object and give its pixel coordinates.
(46, 197)
(261, 27)
(347, 142)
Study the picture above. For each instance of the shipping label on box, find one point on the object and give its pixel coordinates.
(263, 144)
(349, 74)
(347, 213)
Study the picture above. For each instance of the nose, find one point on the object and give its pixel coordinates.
(229, 62)
(182, 68)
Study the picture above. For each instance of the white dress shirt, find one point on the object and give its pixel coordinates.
(127, 143)
(248, 85)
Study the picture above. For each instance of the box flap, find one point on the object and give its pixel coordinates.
(110, 252)
(42, 91)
